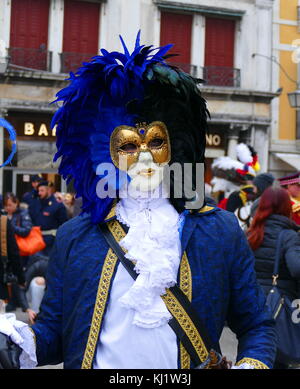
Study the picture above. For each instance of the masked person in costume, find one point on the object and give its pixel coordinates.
(139, 280)
(292, 184)
(234, 179)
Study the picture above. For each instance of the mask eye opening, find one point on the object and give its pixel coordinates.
(128, 148)
(156, 143)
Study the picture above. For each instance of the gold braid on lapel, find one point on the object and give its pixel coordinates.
(185, 281)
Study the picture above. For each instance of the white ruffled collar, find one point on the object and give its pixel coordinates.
(153, 243)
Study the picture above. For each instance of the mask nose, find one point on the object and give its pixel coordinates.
(145, 156)
(144, 147)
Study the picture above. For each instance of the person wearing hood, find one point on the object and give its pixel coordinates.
(260, 183)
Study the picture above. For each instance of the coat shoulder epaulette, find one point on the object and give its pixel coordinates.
(206, 209)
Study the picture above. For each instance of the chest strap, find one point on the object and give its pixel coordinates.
(185, 321)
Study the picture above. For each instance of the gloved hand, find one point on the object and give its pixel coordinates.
(9, 353)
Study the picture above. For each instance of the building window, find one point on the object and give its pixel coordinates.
(177, 29)
(80, 34)
(29, 34)
(219, 53)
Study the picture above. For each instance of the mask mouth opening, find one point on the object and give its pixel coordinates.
(146, 172)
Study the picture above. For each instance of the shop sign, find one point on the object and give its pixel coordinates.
(32, 126)
(40, 130)
(213, 140)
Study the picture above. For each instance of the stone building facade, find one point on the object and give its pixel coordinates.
(216, 40)
(284, 150)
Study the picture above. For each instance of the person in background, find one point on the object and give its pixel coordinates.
(32, 195)
(50, 214)
(59, 197)
(21, 225)
(272, 216)
(51, 187)
(12, 268)
(30, 198)
(69, 201)
(239, 202)
(260, 183)
(292, 185)
(20, 219)
(36, 280)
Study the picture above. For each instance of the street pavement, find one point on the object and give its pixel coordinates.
(228, 342)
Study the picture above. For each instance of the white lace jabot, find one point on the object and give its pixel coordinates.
(153, 243)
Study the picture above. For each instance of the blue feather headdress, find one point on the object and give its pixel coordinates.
(94, 103)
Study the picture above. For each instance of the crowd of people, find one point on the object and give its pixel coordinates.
(265, 207)
(46, 208)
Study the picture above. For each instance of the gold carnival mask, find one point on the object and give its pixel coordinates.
(126, 144)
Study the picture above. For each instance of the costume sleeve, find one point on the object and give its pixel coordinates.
(25, 227)
(48, 328)
(248, 316)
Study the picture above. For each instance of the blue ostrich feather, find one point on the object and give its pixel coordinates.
(12, 136)
(93, 104)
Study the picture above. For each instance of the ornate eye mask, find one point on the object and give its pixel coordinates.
(126, 144)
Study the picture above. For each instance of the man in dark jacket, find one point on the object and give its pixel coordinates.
(30, 198)
(49, 215)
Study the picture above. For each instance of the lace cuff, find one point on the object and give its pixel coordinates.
(28, 356)
(243, 366)
(22, 335)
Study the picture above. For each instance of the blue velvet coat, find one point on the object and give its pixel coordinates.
(223, 286)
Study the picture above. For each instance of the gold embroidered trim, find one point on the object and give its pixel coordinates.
(115, 228)
(33, 333)
(186, 277)
(186, 323)
(254, 362)
(246, 186)
(173, 305)
(206, 208)
(112, 212)
(186, 287)
(102, 293)
(243, 197)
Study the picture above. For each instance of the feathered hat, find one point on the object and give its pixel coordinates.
(240, 170)
(121, 88)
(248, 156)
